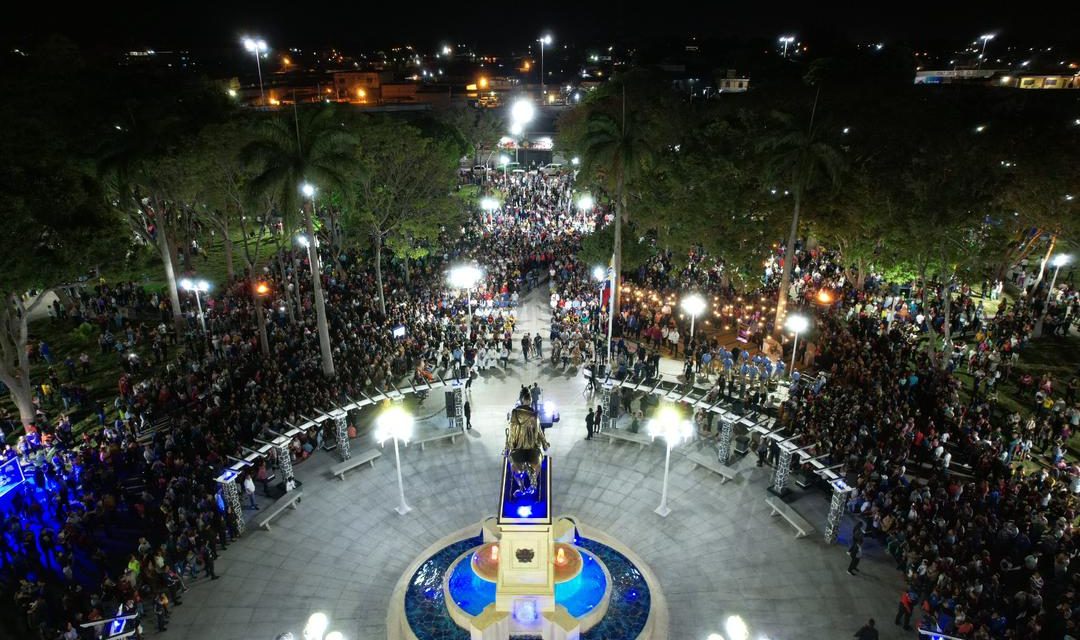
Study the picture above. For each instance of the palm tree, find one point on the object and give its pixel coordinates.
(309, 147)
(617, 151)
(799, 158)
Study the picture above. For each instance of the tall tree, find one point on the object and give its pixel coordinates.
(56, 227)
(799, 157)
(294, 148)
(402, 193)
(617, 152)
(479, 128)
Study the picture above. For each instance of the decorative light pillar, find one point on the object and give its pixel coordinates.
(341, 425)
(231, 494)
(723, 446)
(783, 470)
(284, 460)
(840, 491)
(605, 402)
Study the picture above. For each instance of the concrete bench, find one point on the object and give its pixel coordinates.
(269, 513)
(712, 463)
(452, 434)
(779, 508)
(365, 457)
(626, 436)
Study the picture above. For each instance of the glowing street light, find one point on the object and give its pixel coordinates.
(303, 241)
(544, 39)
(1059, 261)
(489, 204)
(786, 40)
(693, 304)
(396, 424)
(986, 37)
(586, 202)
(522, 111)
(316, 626)
(576, 160)
(197, 286)
(258, 47)
(796, 324)
(736, 628)
(465, 277)
(598, 273)
(308, 190)
(670, 426)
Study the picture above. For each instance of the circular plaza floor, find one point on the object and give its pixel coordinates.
(719, 552)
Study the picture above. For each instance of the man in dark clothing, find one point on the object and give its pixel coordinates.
(905, 608)
(855, 552)
(468, 415)
(208, 558)
(526, 344)
(590, 421)
(599, 415)
(868, 632)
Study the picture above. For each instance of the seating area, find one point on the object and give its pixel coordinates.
(361, 458)
(780, 508)
(447, 434)
(623, 435)
(288, 501)
(707, 459)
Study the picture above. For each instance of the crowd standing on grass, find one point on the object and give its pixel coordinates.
(121, 519)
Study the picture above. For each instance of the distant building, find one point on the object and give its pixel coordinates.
(358, 86)
(956, 76)
(1040, 81)
(731, 82)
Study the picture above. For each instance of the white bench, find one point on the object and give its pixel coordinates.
(779, 508)
(288, 500)
(626, 436)
(452, 434)
(366, 457)
(703, 459)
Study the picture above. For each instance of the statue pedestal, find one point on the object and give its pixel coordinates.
(525, 588)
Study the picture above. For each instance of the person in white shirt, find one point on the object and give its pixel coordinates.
(249, 490)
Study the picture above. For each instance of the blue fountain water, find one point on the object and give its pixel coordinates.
(579, 595)
(628, 607)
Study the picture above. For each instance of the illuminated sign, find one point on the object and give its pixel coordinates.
(11, 475)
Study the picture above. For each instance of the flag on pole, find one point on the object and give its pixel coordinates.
(605, 285)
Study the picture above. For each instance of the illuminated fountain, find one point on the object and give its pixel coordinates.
(527, 573)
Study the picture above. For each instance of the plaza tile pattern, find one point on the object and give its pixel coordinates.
(718, 553)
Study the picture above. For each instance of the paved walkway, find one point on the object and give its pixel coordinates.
(718, 553)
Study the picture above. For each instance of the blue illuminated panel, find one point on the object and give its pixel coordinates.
(11, 476)
(531, 509)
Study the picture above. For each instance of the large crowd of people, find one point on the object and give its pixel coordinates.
(118, 520)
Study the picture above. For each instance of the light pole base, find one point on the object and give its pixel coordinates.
(402, 509)
(662, 511)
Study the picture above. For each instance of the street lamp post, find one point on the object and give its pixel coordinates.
(545, 39)
(670, 426)
(258, 47)
(986, 37)
(395, 423)
(465, 277)
(693, 304)
(521, 113)
(786, 40)
(504, 160)
(796, 324)
(1059, 261)
(197, 286)
(489, 205)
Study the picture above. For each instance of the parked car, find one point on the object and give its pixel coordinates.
(551, 169)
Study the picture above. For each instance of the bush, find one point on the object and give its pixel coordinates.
(84, 333)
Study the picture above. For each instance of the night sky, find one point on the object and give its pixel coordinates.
(367, 24)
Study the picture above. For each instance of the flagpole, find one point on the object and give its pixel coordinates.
(611, 311)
